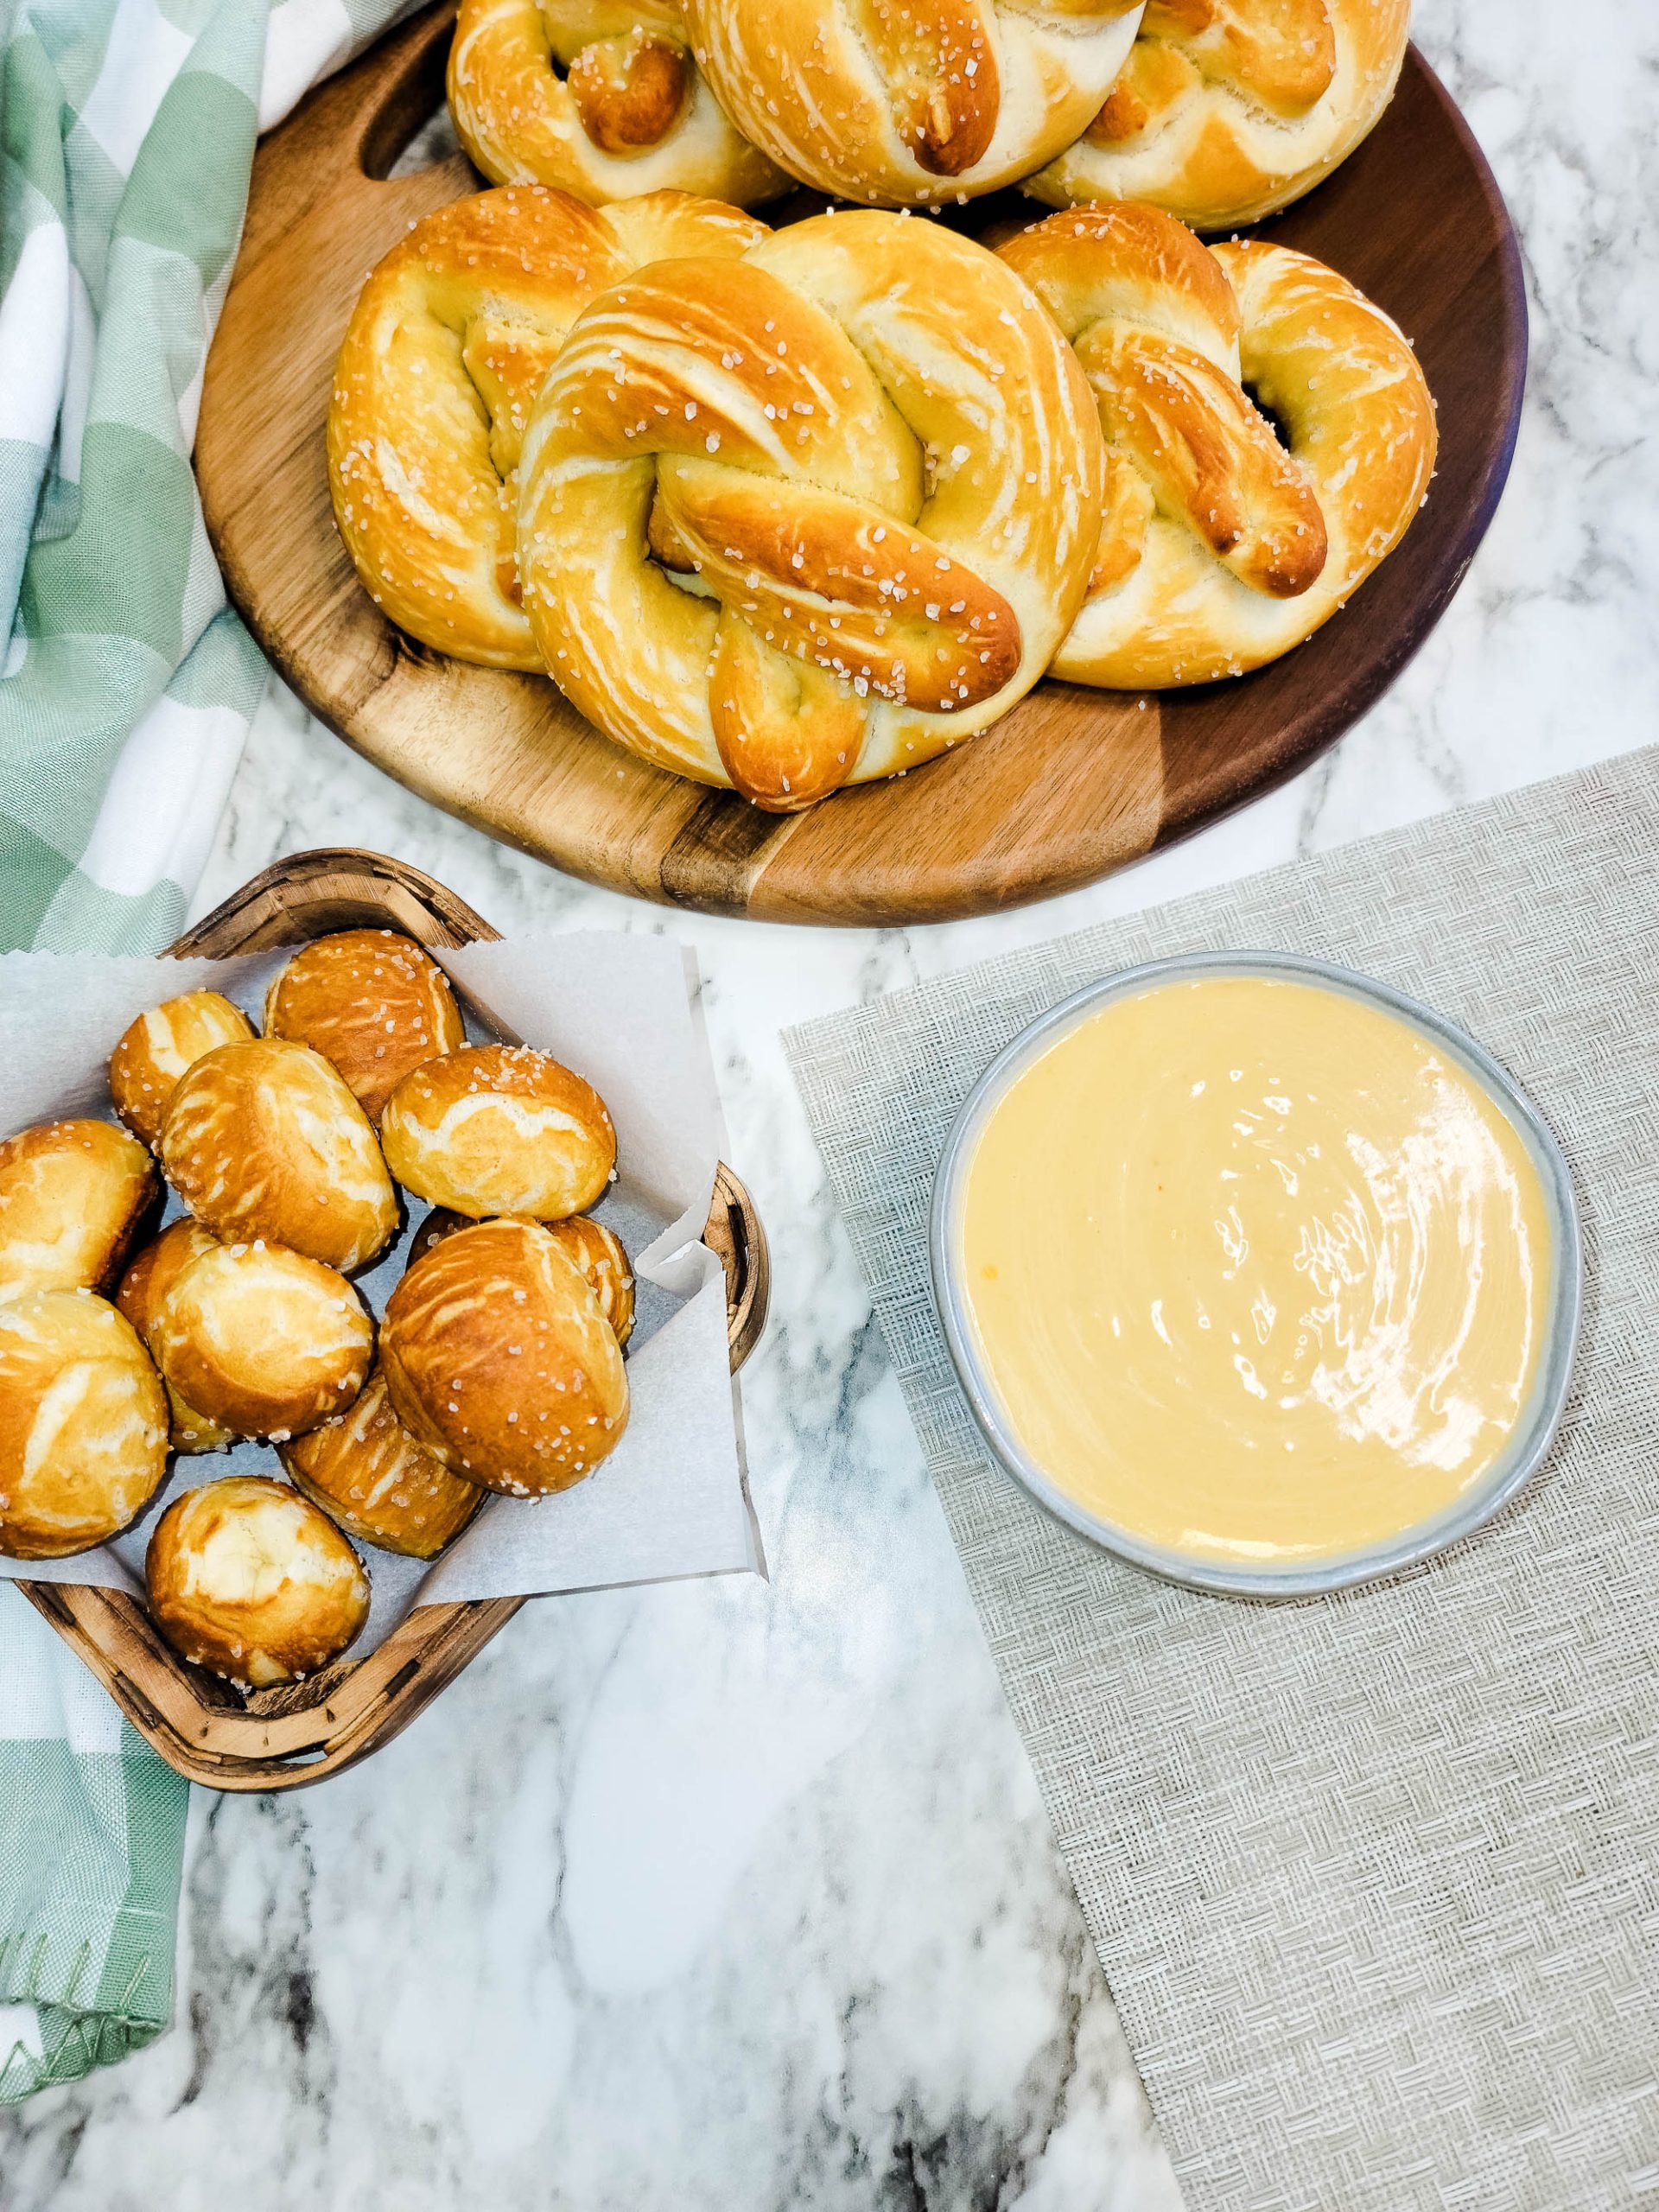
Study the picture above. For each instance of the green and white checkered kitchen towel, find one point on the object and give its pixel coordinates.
(127, 129)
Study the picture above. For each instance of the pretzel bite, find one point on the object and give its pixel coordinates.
(157, 1048)
(499, 1130)
(596, 1250)
(366, 1472)
(499, 1360)
(144, 1286)
(374, 1002)
(248, 1579)
(263, 1140)
(83, 1424)
(264, 1341)
(73, 1197)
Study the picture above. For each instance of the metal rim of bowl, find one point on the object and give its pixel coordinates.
(1534, 1434)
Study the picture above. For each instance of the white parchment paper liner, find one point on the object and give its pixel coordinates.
(672, 1500)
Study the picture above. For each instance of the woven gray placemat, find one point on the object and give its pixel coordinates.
(1375, 1879)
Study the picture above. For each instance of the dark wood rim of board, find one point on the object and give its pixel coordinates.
(1070, 786)
(289, 1738)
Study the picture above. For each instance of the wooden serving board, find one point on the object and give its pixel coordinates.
(301, 1732)
(1071, 785)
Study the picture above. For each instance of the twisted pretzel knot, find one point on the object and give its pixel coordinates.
(1228, 109)
(446, 346)
(630, 113)
(808, 517)
(911, 101)
(1222, 547)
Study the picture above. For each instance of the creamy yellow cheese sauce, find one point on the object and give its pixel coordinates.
(1258, 1272)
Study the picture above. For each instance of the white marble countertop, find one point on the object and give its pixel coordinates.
(728, 1897)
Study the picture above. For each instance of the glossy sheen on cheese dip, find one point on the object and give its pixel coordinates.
(1257, 1271)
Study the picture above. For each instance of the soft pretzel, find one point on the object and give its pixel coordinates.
(599, 97)
(911, 102)
(263, 1140)
(74, 1197)
(247, 1578)
(261, 1340)
(366, 1472)
(157, 1048)
(499, 1360)
(446, 346)
(373, 1002)
(598, 1251)
(1221, 549)
(83, 1424)
(499, 1130)
(1228, 109)
(142, 1292)
(808, 517)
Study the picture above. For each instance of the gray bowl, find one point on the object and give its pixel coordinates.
(1541, 1418)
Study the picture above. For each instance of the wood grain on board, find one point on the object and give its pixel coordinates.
(286, 1737)
(1071, 785)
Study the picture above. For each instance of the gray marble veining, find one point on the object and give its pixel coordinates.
(732, 1897)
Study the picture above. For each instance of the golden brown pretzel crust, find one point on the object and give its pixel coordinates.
(441, 1221)
(1228, 109)
(83, 1424)
(630, 113)
(144, 1287)
(446, 346)
(911, 102)
(811, 517)
(264, 1341)
(247, 1578)
(73, 1199)
(1222, 547)
(499, 1360)
(264, 1140)
(367, 1473)
(596, 1250)
(373, 1002)
(499, 1130)
(157, 1048)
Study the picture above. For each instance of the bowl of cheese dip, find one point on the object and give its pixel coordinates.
(1258, 1273)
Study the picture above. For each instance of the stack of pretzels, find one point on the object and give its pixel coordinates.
(787, 509)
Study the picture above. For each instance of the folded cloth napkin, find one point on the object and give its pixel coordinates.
(127, 129)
